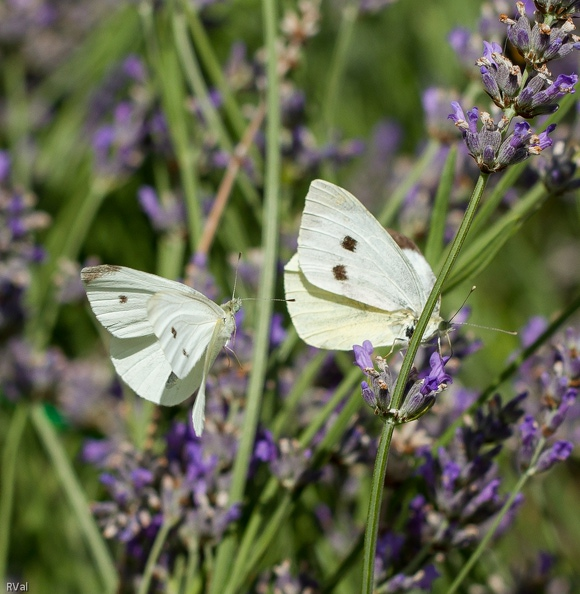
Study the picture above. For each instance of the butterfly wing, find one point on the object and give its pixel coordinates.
(184, 325)
(344, 250)
(141, 363)
(222, 332)
(119, 297)
(141, 310)
(329, 321)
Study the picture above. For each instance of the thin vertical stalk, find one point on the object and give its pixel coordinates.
(376, 498)
(9, 459)
(484, 543)
(76, 497)
(226, 550)
(382, 453)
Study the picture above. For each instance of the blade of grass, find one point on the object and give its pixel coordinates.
(76, 497)
(13, 439)
(226, 550)
(436, 235)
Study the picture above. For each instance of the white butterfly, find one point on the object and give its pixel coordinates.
(353, 281)
(166, 335)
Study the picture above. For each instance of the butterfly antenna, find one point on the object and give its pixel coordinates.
(510, 332)
(461, 306)
(502, 330)
(236, 274)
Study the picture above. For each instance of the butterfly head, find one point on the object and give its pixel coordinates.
(233, 306)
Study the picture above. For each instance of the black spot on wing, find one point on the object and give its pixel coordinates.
(123, 299)
(171, 380)
(339, 272)
(409, 331)
(185, 353)
(174, 332)
(349, 243)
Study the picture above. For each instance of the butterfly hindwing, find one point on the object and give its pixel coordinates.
(143, 366)
(328, 321)
(184, 326)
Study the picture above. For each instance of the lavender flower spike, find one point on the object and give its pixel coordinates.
(420, 395)
(486, 146)
(536, 100)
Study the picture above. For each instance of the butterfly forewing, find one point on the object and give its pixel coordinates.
(343, 249)
(184, 325)
(119, 297)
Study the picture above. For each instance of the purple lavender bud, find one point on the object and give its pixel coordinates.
(5, 164)
(544, 140)
(437, 379)
(134, 68)
(277, 331)
(425, 578)
(559, 452)
(529, 435)
(416, 403)
(97, 451)
(489, 49)
(368, 395)
(559, 9)
(486, 497)
(519, 33)
(459, 39)
(362, 355)
(450, 470)
(529, 430)
(141, 477)
(264, 447)
(533, 329)
(556, 417)
(458, 116)
(149, 202)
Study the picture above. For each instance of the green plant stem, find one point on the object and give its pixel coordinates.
(266, 288)
(64, 242)
(12, 442)
(394, 201)
(438, 221)
(338, 64)
(398, 394)
(162, 56)
(76, 497)
(456, 246)
(372, 528)
(196, 81)
(285, 414)
(213, 67)
(256, 537)
(465, 569)
(158, 543)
